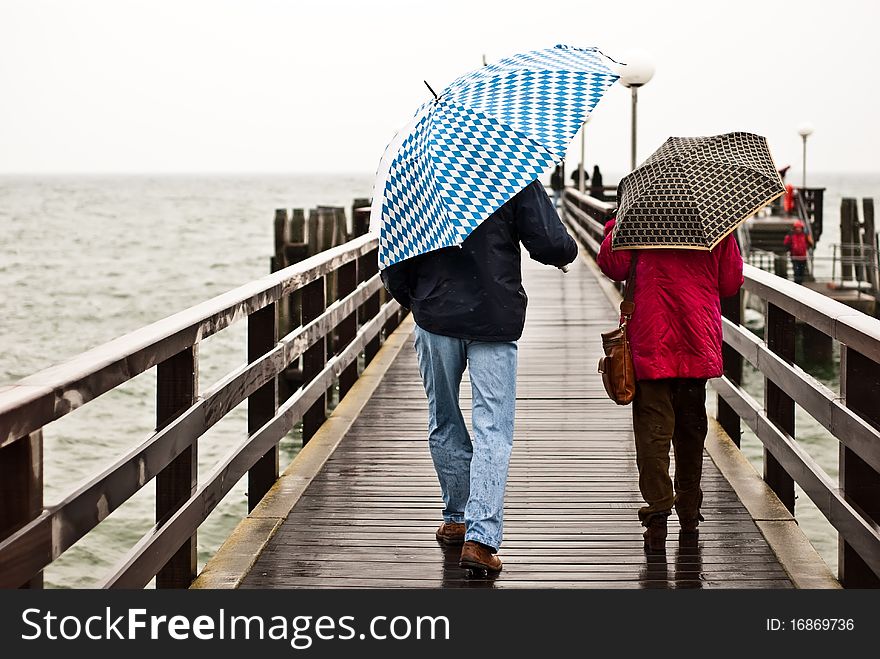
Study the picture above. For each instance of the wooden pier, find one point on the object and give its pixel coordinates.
(367, 519)
(359, 504)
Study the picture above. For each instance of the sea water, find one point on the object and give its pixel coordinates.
(88, 259)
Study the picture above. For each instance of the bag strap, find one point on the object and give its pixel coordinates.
(627, 306)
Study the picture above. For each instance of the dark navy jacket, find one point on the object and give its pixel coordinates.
(475, 291)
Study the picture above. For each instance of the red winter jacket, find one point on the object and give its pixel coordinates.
(797, 244)
(675, 330)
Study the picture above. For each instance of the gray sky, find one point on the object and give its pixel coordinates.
(288, 86)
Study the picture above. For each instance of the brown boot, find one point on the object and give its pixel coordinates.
(477, 556)
(451, 533)
(689, 520)
(655, 534)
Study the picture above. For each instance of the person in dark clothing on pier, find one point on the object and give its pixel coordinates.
(557, 183)
(576, 177)
(469, 306)
(596, 189)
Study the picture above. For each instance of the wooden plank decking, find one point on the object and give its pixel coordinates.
(368, 519)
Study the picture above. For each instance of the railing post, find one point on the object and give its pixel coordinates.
(262, 337)
(731, 308)
(849, 220)
(21, 488)
(314, 303)
(780, 336)
(860, 382)
(346, 282)
(368, 266)
(177, 384)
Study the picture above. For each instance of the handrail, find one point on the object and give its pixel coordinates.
(851, 521)
(842, 323)
(43, 534)
(48, 395)
(158, 546)
(853, 417)
(586, 215)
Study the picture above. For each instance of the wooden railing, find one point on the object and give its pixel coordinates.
(587, 216)
(852, 505)
(330, 339)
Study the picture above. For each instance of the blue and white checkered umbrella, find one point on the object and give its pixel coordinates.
(487, 136)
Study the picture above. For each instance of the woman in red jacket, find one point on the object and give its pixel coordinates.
(675, 334)
(798, 244)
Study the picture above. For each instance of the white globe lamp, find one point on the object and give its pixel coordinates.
(636, 69)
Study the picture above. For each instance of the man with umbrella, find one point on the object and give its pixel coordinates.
(456, 195)
(469, 306)
(674, 236)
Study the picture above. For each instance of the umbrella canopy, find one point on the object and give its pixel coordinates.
(482, 140)
(693, 191)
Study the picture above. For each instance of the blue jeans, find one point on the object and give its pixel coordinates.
(472, 472)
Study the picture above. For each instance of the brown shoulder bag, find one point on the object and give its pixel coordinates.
(616, 367)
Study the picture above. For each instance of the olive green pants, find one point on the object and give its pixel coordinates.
(666, 412)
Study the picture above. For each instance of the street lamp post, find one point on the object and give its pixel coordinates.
(581, 183)
(636, 70)
(805, 130)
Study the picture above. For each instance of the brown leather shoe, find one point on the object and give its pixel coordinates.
(689, 520)
(477, 556)
(655, 534)
(451, 533)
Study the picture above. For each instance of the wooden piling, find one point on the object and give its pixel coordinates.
(282, 237)
(869, 242)
(848, 221)
(299, 236)
(360, 217)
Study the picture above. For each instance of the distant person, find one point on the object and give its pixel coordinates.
(470, 307)
(788, 199)
(557, 183)
(576, 177)
(798, 245)
(596, 188)
(675, 336)
(776, 204)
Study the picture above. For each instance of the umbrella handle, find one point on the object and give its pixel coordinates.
(565, 268)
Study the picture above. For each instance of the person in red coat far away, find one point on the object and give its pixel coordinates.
(675, 335)
(788, 199)
(798, 243)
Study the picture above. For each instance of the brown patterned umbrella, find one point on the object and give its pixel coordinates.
(693, 191)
